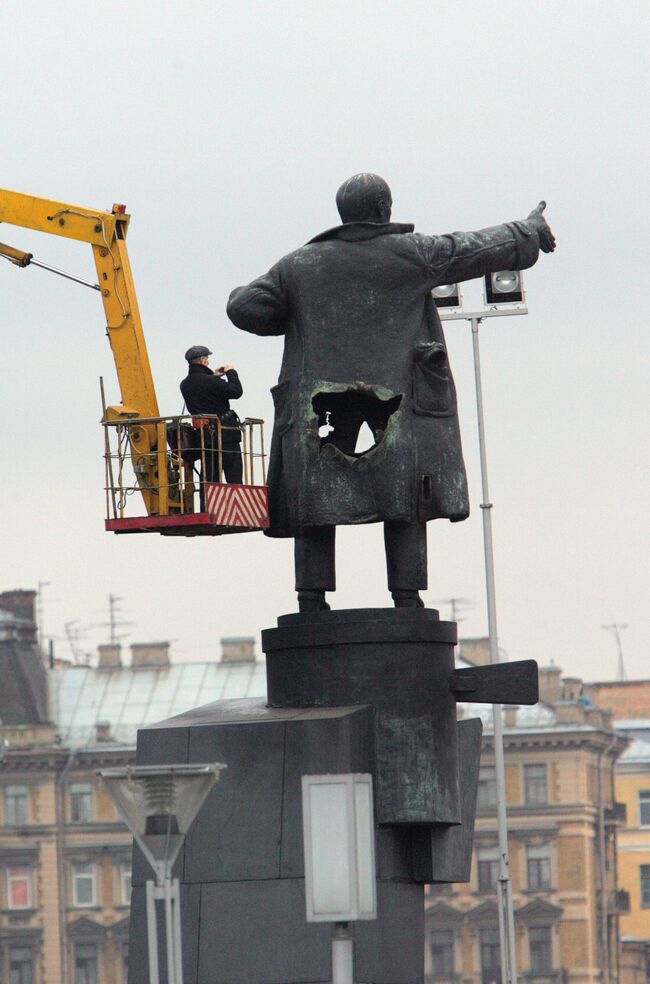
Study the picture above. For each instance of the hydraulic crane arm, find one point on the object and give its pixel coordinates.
(106, 233)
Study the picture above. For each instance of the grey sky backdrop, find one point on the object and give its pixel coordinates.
(226, 129)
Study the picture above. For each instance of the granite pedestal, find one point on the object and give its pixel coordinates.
(369, 691)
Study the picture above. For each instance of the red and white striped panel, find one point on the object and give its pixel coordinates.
(237, 505)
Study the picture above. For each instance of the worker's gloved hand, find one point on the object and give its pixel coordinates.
(546, 237)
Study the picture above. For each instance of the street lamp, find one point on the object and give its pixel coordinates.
(158, 804)
(339, 844)
(504, 292)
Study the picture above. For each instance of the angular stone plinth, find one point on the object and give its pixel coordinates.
(242, 868)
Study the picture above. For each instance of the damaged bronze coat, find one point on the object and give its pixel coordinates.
(361, 331)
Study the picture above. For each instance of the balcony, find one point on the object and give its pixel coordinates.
(617, 901)
(544, 976)
(616, 813)
(621, 901)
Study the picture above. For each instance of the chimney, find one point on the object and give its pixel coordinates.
(571, 688)
(22, 605)
(550, 687)
(510, 715)
(570, 712)
(103, 731)
(149, 654)
(475, 651)
(110, 656)
(238, 649)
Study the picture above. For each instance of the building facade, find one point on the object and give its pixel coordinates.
(629, 702)
(65, 856)
(563, 820)
(66, 862)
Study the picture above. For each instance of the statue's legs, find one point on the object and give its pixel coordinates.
(315, 567)
(406, 563)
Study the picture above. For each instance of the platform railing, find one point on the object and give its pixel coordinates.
(181, 458)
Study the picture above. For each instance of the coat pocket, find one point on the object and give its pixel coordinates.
(434, 393)
(283, 408)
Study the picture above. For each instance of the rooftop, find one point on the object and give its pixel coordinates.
(129, 698)
(637, 752)
(83, 696)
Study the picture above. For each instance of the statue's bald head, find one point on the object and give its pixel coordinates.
(364, 198)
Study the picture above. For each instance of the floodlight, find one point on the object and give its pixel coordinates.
(447, 295)
(504, 287)
(158, 804)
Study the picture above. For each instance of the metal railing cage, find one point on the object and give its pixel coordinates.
(169, 462)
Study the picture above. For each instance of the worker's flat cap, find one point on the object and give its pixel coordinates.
(197, 352)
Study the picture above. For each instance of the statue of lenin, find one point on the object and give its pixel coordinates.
(364, 343)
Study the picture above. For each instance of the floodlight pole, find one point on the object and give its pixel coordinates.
(504, 883)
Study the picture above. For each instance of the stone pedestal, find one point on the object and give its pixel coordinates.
(399, 661)
(370, 691)
(241, 869)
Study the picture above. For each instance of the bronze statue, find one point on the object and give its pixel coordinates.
(364, 343)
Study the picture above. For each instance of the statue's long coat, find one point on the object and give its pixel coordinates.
(356, 311)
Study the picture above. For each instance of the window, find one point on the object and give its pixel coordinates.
(645, 886)
(81, 806)
(644, 808)
(85, 964)
(15, 805)
(19, 888)
(490, 956)
(441, 945)
(488, 868)
(487, 789)
(21, 965)
(83, 883)
(539, 867)
(539, 941)
(535, 786)
(125, 877)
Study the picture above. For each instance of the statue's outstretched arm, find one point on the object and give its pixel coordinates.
(462, 256)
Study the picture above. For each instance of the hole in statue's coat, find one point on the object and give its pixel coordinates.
(354, 422)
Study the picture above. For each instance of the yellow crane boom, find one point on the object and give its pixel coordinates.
(106, 233)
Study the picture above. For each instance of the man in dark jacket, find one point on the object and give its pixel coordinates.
(363, 342)
(208, 392)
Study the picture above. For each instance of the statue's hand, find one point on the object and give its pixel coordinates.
(546, 237)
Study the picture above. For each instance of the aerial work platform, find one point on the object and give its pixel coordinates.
(186, 449)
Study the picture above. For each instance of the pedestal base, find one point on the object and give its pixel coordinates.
(398, 660)
(242, 869)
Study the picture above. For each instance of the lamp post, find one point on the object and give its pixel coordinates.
(339, 844)
(504, 287)
(158, 804)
